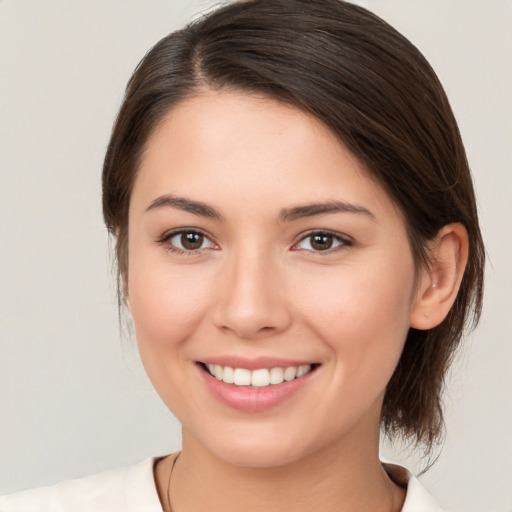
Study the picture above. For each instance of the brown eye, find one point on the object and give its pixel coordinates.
(187, 241)
(321, 242)
(191, 241)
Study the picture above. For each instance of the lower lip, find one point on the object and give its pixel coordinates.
(253, 399)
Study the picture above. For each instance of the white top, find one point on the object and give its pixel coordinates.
(132, 489)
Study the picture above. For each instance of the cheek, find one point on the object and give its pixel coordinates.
(364, 318)
(166, 303)
(167, 307)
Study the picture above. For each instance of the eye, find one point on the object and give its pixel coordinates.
(186, 241)
(321, 241)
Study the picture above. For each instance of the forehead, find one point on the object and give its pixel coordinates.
(220, 145)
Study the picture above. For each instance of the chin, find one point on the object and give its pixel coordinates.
(256, 456)
(251, 448)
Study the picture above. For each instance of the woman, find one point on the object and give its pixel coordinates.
(298, 246)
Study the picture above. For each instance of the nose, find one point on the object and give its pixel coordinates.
(252, 299)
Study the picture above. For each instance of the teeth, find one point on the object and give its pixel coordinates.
(218, 372)
(242, 377)
(229, 375)
(290, 373)
(260, 378)
(257, 378)
(302, 370)
(276, 376)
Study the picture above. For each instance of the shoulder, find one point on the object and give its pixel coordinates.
(417, 499)
(127, 489)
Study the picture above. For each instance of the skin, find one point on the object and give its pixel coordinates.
(257, 287)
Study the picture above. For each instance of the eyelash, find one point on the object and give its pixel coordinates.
(165, 240)
(343, 241)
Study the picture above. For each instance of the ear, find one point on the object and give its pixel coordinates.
(439, 284)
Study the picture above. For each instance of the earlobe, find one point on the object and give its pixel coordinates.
(440, 283)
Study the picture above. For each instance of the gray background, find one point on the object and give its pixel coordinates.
(73, 397)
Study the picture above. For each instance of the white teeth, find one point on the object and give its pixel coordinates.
(276, 376)
(302, 370)
(242, 377)
(229, 375)
(290, 373)
(218, 371)
(260, 378)
(257, 378)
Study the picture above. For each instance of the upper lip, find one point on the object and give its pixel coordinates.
(255, 363)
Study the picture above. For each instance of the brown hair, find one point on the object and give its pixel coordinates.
(378, 94)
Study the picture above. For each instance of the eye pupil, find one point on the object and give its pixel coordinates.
(321, 242)
(191, 241)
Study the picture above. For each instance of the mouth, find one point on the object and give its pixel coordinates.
(257, 378)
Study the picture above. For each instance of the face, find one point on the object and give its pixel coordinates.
(270, 280)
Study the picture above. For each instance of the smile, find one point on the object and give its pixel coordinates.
(258, 378)
(255, 385)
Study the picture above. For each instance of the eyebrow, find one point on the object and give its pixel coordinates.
(309, 210)
(287, 214)
(187, 205)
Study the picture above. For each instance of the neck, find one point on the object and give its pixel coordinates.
(338, 479)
